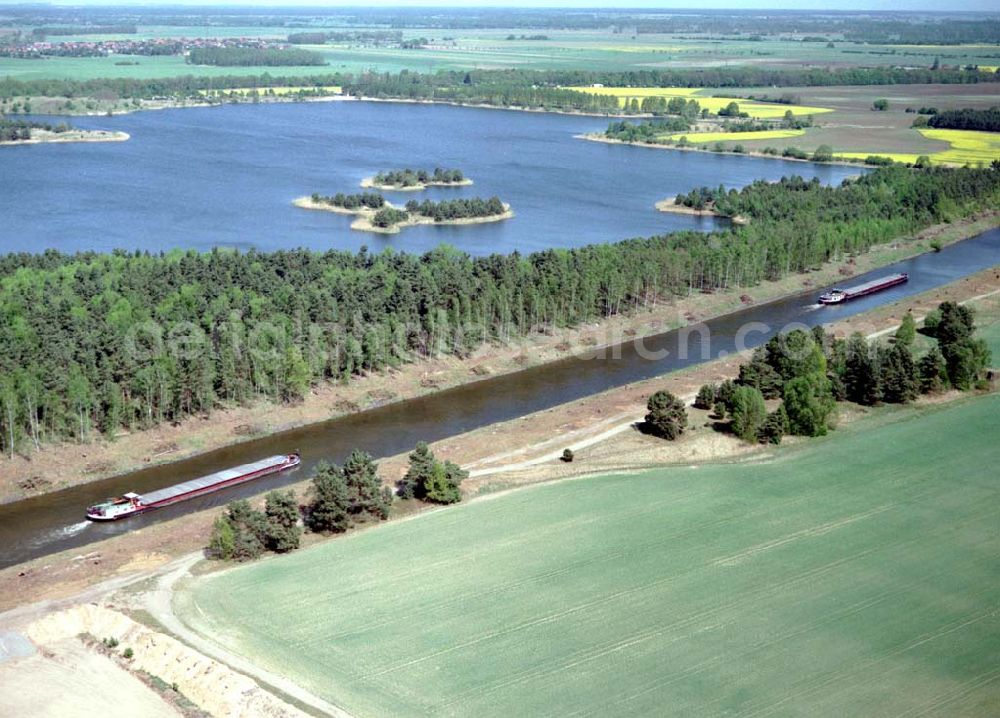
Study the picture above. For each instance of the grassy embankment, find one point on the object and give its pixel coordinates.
(842, 573)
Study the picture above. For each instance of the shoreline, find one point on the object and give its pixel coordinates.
(369, 183)
(599, 137)
(363, 217)
(670, 206)
(78, 464)
(45, 137)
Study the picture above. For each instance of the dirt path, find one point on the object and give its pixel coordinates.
(158, 602)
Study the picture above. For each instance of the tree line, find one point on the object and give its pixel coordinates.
(649, 132)
(340, 498)
(450, 209)
(362, 200)
(375, 37)
(253, 57)
(412, 178)
(97, 343)
(810, 371)
(502, 88)
(967, 119)
(12, 130)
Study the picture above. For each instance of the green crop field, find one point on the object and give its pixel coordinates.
(465, 49)
(991, 334)
(844, 576)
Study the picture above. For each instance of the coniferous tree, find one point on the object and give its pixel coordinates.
(862, 379)
(413, 484)
(899, 378)
(759, 374)
(749, 413)
(328, 512)
(282, 511)
(808, 404)
(366, 496)
(907, 331)
(667, 416)
(932, 372)
(775, 426)
(249, 530)
(706, 397)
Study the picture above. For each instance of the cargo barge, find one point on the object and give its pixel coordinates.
(836, 296)
(131, 504)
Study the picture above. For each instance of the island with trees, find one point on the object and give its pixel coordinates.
(413, 180)
(375, 214)
(30, 132)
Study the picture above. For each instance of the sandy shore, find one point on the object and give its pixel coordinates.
(39, 137)
(670, 206)
(58, 466)
(369, 183)
(363, 221)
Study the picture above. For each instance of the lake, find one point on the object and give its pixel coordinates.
(226, 176)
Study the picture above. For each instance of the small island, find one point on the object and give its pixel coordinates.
(29, 132)
(414, 180)
(375, 214)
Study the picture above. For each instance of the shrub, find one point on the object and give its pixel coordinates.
(706, 397)
(907, 330)
(328, 510)
(775, 426)
(748, 413)
(128, 653)
(932, 372)
(880, 105)
(222, 543)
(809, 405)
(567, 455)
(823, 153)
(667, 416)
(282, 532)
(443, 484)
(432, 480)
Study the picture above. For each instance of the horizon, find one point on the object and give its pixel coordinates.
(973, 7)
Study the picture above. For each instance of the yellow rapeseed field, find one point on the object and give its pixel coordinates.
(700, 137)
(967, 147)
(714, 104)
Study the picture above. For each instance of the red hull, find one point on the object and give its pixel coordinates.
(112, 511)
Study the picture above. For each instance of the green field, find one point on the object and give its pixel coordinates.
(847, 576)
(991, 334)
(489, 49)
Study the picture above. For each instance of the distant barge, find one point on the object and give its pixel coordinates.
(130, 504)
(836, 296)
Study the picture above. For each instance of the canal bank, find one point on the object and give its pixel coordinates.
(51, 522)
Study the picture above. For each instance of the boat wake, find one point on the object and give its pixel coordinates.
(812, 307)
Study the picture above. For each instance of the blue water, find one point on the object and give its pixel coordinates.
(226, 176)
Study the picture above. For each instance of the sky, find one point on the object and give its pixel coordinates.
(883, 5)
